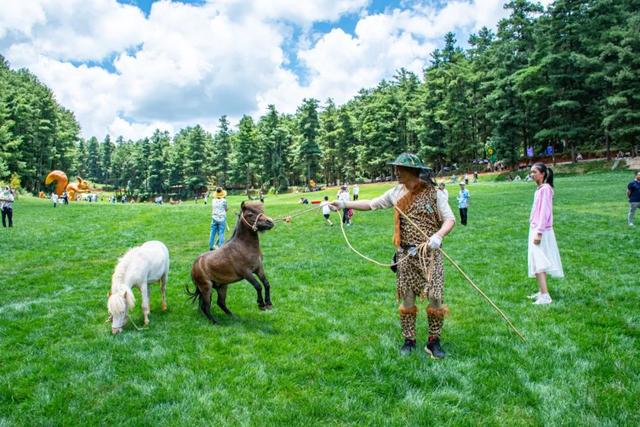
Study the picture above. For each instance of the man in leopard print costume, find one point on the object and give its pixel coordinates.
(420, 272)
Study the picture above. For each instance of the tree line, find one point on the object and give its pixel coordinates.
(568, 77)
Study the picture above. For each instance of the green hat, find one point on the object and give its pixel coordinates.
(409, 160)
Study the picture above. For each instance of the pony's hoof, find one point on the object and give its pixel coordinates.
(262, 307)
(269, 307)
(164, 307)
(146, 323)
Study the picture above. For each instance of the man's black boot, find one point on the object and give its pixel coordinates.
(408, 346)
(433, 348)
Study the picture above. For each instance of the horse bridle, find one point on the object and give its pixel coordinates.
(254, 226)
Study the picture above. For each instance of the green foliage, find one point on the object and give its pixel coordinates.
(222, 152)
(308, 149)
(566, 77)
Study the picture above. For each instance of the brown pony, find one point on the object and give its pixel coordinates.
(239, 258)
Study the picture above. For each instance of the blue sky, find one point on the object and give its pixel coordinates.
(128, 67)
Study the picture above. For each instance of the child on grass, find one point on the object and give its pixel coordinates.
(326, 210)
(544, 257)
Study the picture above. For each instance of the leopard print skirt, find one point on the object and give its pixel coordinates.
(411, 280)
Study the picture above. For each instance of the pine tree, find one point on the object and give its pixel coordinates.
(106, 151)
(93, 159)
(157, 167)
(194, 176)
(308, 125)
(246, 153)
(328, 142)
(509, 110)
(222, 152)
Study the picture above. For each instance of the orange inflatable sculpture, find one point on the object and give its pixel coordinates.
(62, 184)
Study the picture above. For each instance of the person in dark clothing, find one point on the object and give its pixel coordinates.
(6, 204)
(633, 193)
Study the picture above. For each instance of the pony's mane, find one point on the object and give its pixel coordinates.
(117, 279)
(119, 302)
(235, 229)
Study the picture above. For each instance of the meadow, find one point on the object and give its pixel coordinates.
(328, 352)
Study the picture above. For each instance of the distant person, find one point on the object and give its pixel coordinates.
(6, 205)
(544, 257)
(356, 192)
(326, 210)
(218, 218)
(466, 179)
(578, 157)
(444, 190)
(633, 193)
(304, 201)
(343, 195)
(54, 199)
(463, 203)
(475, 176)
(65, 198)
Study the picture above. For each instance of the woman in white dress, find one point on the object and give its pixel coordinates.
(544, 257)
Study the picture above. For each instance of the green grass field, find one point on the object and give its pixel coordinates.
(328, 352)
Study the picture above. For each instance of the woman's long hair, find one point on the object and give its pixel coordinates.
(546, 172)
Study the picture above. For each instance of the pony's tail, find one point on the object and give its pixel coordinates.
(192, 295)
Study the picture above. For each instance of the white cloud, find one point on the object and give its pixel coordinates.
(185, 64)
(74, 29)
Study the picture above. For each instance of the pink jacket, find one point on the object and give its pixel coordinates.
(542, 210)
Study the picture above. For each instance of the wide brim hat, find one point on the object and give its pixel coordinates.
(220, 194)
(410, 160)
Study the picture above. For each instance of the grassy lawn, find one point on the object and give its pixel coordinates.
(328, 352)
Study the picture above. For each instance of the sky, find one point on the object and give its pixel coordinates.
(128, 67)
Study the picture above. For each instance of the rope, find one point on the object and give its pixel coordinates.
(134, 324)
(346, 239)
(504, 316)
(130, 319)
(288, 218)
(425, 257)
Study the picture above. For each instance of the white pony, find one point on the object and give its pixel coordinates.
(139, 267)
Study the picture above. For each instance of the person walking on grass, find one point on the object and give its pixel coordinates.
(343, 195)
(463, 203)
(218, 218)
(356, 192)
(326, 210)
(54, 199)
(429, 210)
(6, 205)
(544, 257)
(633, 193)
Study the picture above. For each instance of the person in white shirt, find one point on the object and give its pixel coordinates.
(326, 210)
(54, 199)
(356, 192)
(218, 218)
(430, 211)
(343, 195)
(6, 205)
